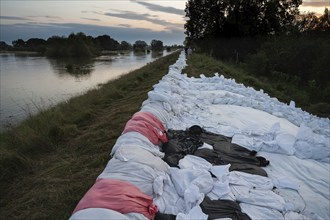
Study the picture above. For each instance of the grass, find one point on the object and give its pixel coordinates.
(284, 90)
(49, 161)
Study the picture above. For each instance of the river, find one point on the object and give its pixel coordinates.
(30, 82)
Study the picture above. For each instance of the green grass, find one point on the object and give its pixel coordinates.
(49, 161)
(284, 90)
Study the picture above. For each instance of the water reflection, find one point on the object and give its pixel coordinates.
(156, 54)
(77, 67)
(29, 81)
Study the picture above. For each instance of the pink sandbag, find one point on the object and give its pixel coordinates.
(117, 195)
(149, 126)
(149, 117)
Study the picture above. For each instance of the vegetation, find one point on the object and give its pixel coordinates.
(78, 45)
(279, 86)
(50, 161)
(156, 45)
(268, 41)
(140, 45)
(214, 19)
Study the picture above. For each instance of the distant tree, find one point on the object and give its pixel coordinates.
(4, 46)
(105, 42)
(156, 45)
(140, 45)
(76, 45)
(36, 44)
(125, 46)
(80, 45)
(19, 43)
(236, 18)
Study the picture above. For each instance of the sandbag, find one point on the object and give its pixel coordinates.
(112, 194)
(147, 179)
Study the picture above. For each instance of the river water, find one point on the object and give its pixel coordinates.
(29, 83)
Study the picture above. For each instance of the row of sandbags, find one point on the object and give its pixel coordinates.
(133, 177)
(190, 191)
(135, 174)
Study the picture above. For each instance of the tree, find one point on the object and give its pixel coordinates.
(105, 42)
(156, 45)
(236, 18)
(124, 45)
(140, 45)
(4, 46)
(311, 22)
(19, 43)
(76, 45)
(36, 44)
(324, 23)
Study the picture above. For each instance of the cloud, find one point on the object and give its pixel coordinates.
(129, 15)
(154, 7)
(91, 19)
(8, 33)
(125, 25)
(13, 18)
(145, 17)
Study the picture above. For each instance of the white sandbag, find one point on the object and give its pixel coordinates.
(157, 96)
(191, 198)
(169, 202)
(135, 216)
(136, 139)
(311, 145)
(220, 188)
(285, 182)
(142, 176)
(220, 170)
(183, 178)
(286, 143)
(139, 155)
(157, 109)
(311, 176)
(292, 197)
(97, 213)
(259, 212)
(294, 216)
(264, 198)
(250, 180)
(195, 163)
(194, 213)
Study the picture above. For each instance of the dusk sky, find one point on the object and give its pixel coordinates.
(120, 19)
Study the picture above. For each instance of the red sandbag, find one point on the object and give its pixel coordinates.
(148, 125)
(117, 195)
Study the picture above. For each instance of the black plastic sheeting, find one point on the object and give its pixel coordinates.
(223, 209)
(224, 152)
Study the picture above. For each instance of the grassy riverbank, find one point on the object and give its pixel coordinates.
(49, 162)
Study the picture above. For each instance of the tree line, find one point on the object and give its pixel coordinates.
(270, 39)
(78, 45)
(239, 18)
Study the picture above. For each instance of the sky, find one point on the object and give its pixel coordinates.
(123, 20)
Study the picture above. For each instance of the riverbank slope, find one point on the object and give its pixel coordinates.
(50, 160)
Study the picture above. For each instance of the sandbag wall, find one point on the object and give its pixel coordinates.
(136, 173)
(137, 183)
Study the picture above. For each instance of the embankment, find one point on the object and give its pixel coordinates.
(50, 160)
